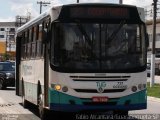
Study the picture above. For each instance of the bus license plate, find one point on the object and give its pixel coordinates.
(99, 99)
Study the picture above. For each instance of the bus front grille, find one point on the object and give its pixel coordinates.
(99, 78)
(95, 90)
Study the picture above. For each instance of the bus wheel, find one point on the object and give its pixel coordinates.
(42, 111)
(25, 103)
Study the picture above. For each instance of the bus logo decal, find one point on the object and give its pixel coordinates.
(101, 86)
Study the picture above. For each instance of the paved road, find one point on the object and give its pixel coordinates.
(151, 113)
(11, 109)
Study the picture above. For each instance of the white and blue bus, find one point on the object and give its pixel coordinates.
(83, 57)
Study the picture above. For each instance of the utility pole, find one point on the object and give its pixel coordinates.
(120, 1)
(152, 80)
(77, 1)
(42, 4)
(20, 20)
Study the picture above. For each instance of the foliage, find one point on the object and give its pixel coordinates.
(6, 56)
(153, 91)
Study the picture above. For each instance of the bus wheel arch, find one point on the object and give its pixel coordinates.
(43, 113)
(39, 91)
(25, 103)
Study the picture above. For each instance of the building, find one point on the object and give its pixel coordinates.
(7, 39)
(149, 24)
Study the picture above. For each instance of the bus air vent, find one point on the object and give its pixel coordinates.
(95, 91)
(99, 78)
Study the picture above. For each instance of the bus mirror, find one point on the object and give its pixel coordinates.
(147, 40)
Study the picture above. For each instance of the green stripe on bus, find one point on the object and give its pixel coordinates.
(58, 97)
(139, 97)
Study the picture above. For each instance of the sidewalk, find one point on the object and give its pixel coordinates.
(157, 79)
(154, 99)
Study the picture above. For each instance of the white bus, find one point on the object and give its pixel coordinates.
(83, 57)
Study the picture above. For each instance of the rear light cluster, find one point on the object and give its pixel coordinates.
(138, 87)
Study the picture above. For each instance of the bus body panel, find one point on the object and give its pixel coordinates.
(79, 101)
(73, 84)
(80, 91)
(32, 72)
(67, 103)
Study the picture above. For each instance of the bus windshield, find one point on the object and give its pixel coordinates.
(98, 46)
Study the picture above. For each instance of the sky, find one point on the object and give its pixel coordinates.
(11, 8)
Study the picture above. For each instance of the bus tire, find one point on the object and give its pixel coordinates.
(25, 103)
(42, 111)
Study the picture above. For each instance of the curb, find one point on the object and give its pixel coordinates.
(153, 99)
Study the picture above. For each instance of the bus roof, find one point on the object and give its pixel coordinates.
(33, 21)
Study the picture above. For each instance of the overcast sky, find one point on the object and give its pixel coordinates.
(11, 8)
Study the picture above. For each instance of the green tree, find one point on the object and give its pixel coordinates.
(6, 56)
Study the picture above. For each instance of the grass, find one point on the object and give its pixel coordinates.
(153, 91)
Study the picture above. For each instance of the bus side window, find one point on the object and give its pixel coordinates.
(39, 41)
(45, 34)
(33, 42)
(36, 40)
(40, 37)
(29, 43)
(23, 46)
